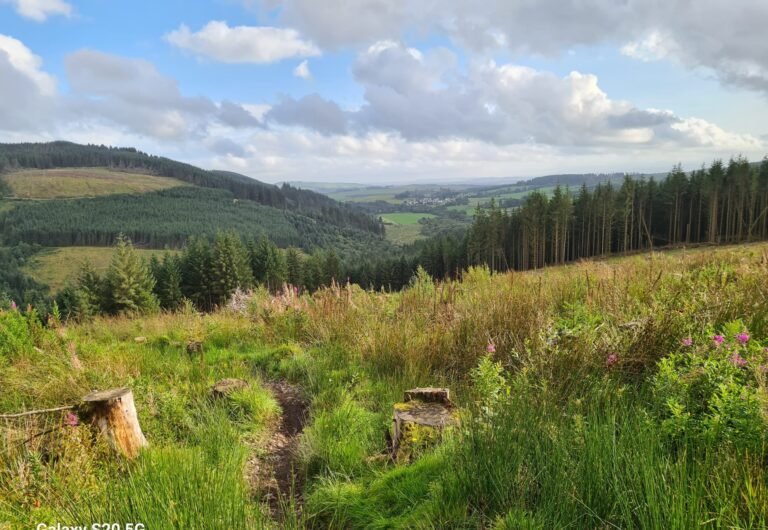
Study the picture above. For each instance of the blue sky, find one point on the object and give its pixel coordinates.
(391, 91)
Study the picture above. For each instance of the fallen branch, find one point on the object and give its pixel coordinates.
(35, 412)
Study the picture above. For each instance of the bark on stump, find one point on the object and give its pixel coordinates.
(419, 421)
(114, 413)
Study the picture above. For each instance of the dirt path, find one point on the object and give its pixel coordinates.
(271, 469)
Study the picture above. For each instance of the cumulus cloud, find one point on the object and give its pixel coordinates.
(242, 44)
(40, 10)
(26, 91)
(426, 97)
(312, 112)
(725, 37)
(132, 93)
(302, 70)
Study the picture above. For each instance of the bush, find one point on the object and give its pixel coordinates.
(15, 335)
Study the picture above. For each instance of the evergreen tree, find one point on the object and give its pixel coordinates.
(168, 282)
(229, 268)
(195, 273)
(129, 282)
(294, 269)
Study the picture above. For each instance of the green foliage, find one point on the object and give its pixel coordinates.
(713, 389)
(15, 335)
(229, 267)
(128, 283)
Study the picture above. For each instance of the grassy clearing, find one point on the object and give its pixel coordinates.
(56, 266)
(83, 182)
(406, 218)
(403, 234)
(566, 423)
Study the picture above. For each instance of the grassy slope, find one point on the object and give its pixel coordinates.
(83, 182)
(574, 445)
(404, 228)
(407, 218)
(55, 266)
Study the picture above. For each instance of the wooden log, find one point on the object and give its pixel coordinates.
(114, 413)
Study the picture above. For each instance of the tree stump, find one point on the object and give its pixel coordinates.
(114, 413)
(225, 387)
(419, 421)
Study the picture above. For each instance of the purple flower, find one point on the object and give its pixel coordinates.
(611, 360)
(687, 341)
(718, 340)
(738, 360)
(743, 337)
(491, 348)
(72, 419)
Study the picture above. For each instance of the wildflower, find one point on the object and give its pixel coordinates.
(72, 419)
(491, 348)
(687, 341)
(738, 360)
(13, 305)
(611, 360)
(742, 337)
(718, 340)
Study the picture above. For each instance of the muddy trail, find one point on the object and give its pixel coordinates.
(272, 470)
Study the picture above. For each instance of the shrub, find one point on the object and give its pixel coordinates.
(712, 388)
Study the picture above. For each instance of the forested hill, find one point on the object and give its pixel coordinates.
(66, 154)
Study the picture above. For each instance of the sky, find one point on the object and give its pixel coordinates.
(392, 91)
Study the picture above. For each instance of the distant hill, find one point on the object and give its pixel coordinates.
(64, 194)
(71, 155)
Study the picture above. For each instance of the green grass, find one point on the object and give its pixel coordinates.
(555, 438)
(56, 266)
(83, 182)
(403, 234)
(406, 218)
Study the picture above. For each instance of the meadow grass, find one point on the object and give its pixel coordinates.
(561, 426)
(56, 266)
(405, 218)
(82, 182)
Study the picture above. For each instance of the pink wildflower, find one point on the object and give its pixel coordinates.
(687, 341)
(742, 337)
(738, 360)
(72, 419)
(491, 348)
(718, 340)
(611, 360)
(13, 305)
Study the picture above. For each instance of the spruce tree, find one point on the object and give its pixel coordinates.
(168, 287)
(129, 282)
(294, 272)
(230, 268)
(195, 273)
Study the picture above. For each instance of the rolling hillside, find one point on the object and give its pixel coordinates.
(63, 194)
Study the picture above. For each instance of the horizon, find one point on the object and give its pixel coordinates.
(390, 94)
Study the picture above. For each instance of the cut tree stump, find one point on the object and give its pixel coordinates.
(114, 413)
(420, 420)
(225, 387)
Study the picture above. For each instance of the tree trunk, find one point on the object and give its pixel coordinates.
(114, 413)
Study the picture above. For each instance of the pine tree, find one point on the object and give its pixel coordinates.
(129, 282)
(230, 267)
(195, 273)
(295, 274)
(168, 282)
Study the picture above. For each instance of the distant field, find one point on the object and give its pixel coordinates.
(55, 266)
(406, 218)
(83, 182)
(403, 234)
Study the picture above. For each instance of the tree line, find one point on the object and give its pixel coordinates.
(205, 274)
(722, 203)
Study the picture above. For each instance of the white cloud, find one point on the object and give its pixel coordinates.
(727, 38)
(425, 96)
(40, 10)
(27, 93)
(242, 44)
(302, 70)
